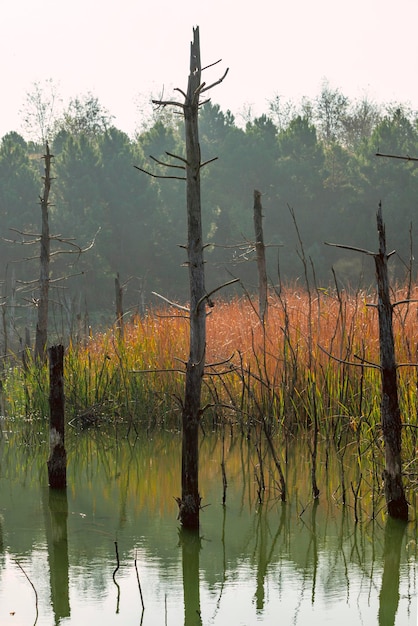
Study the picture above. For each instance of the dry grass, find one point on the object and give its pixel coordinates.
(312, 360)
(309, 374)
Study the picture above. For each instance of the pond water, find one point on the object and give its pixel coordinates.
(85, 555)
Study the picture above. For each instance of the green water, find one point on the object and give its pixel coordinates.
(252, 563)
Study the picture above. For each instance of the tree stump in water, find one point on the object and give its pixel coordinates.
(57, 462)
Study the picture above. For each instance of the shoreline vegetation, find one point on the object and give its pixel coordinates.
(310, 373)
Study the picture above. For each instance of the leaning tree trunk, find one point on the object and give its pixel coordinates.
(390, 412)
(42, 323)
(189, 505)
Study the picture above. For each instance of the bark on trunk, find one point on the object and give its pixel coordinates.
(189, 504)
(42, 323)
(261, 256)
(57, 462)
(390, 412)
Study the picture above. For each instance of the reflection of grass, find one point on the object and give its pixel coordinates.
(291, 375)
(124, 491)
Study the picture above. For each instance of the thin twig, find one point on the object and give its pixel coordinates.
(395, 156)
(117, 562)
(33, 587)
(139, 584)
(158, 175)
(114, 578)
(174, 304)
(207, 295)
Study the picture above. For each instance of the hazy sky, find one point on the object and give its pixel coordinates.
(120, 49)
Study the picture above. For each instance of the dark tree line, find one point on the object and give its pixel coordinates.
(317, 158)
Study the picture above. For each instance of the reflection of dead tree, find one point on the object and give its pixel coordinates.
(389, 407)
(189, 170)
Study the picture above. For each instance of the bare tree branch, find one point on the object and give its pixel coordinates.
(395, 156)
(353, 248)
(178, 167)
(158, 175)
(176, 156)
(165, 103)
(362, 250)
(217, 82)
(363, 363)
(209, 161)
(211, 65)
(207, 295)
(174, 304)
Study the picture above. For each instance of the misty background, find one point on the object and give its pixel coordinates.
(314, 162)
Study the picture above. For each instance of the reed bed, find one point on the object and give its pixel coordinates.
(311, 370)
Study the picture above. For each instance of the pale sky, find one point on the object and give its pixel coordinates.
(122, 49)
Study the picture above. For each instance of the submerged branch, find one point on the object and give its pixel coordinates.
(33, 587)
(139, 584)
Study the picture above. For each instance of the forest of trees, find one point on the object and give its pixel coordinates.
(315, 161)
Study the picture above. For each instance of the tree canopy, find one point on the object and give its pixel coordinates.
(317, 161)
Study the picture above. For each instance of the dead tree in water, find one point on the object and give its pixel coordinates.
(57, 462)
(390, 412)
(389, 406)
(189, 503)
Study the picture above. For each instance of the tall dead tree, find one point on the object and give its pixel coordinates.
(389, 407)
(44, 282)
(45, 240)
(189, 503)
(397, 505)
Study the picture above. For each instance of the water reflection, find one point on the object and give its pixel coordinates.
(307, 562)
(190, 543)
(389, 593)
(55, 505)
(265, 551)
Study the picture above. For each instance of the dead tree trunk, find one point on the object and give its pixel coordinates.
(389, 406)
(261, 256)
(190, 497)
(57, 462)
(390, 412)
(189, 503)
(42, 323)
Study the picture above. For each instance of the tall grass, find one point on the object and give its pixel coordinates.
(311, 368)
